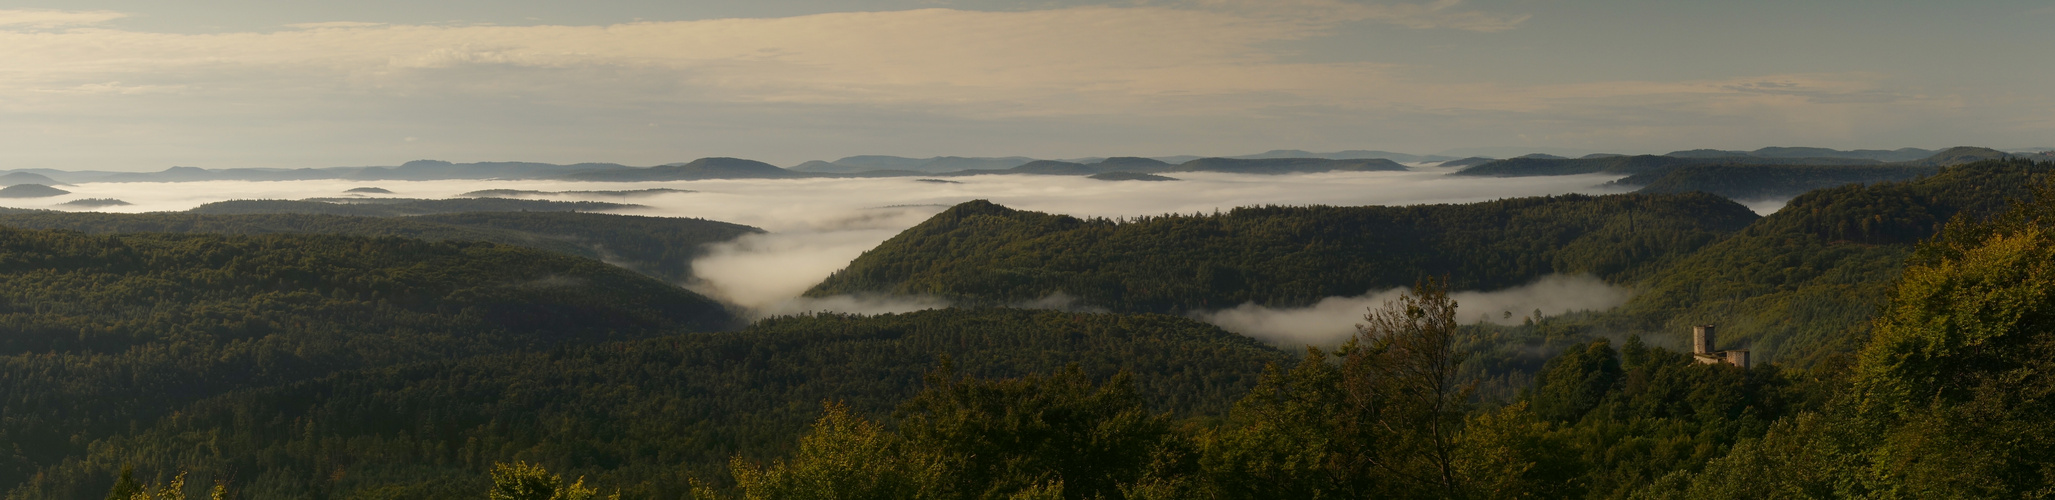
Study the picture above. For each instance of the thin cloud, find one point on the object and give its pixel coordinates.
(1331, 321)
(1439, 14)
(1157, 78)
(49, 19)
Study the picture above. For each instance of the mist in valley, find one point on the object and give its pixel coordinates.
(816, 226)
(1332, 320)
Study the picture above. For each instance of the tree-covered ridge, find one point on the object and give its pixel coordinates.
(101, 333)
(983, 253)
(1624, 165)
(644, 416)
(1286, 165)
(1950, 395)
(1656, 165)
(661, 247)
(1802, 283)
(1756, 182)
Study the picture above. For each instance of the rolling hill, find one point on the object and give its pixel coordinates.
(981, 253)
(703, 168)
(660, 247)
(1800, 285)
(1757, 182)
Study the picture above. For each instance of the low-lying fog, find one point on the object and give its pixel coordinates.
(816, 226)
(1333, 319)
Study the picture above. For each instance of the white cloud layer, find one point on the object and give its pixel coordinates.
(1333, 320)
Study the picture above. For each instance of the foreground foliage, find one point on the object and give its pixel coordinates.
(1386, 416)
(105, 334)
(644, 416)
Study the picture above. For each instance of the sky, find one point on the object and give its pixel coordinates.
(144, 85)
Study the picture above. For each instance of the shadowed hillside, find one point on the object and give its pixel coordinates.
(104, 332)
(645, 415)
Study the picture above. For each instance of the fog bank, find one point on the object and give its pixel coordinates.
(1333, 319)
(816, 226)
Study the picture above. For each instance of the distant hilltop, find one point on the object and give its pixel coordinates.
(1279, 161)
(1538, 165)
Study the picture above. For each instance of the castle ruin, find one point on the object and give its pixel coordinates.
(1703, 344)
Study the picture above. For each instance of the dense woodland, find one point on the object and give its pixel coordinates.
(661, 247)
(1901, 332)
(1763, 182)
(1801, 285)
(107, 333)
(644, 416)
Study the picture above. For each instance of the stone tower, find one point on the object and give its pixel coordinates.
(1704, 348)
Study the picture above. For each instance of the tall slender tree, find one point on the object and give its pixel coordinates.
(1400, 379)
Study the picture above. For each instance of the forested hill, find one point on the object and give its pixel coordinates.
(1757, 182)
(644, 416)
(106, 332)
(661, 247)
(1801, 285)
(981, 253)
(1639, 164)
(1765, 174)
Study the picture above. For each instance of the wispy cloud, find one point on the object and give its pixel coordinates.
(46, 19)
(1439, 14)
(1181, 72)
(1073, 61)
(1330, 322)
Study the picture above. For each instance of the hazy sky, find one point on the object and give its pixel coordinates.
(142, 85)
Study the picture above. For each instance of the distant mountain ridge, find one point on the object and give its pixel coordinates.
(892, 166)
(956, 164)
(17, 178)
(703, 168)
(1895, 155)
(1646, 164)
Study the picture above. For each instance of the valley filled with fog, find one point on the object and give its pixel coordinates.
(815, 226)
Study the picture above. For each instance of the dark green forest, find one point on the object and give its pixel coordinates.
(1760, 182)
(645, 416)
(661, 247)
(1900, 332)
(1801, 285)
(106, 333)
(1657, 165)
